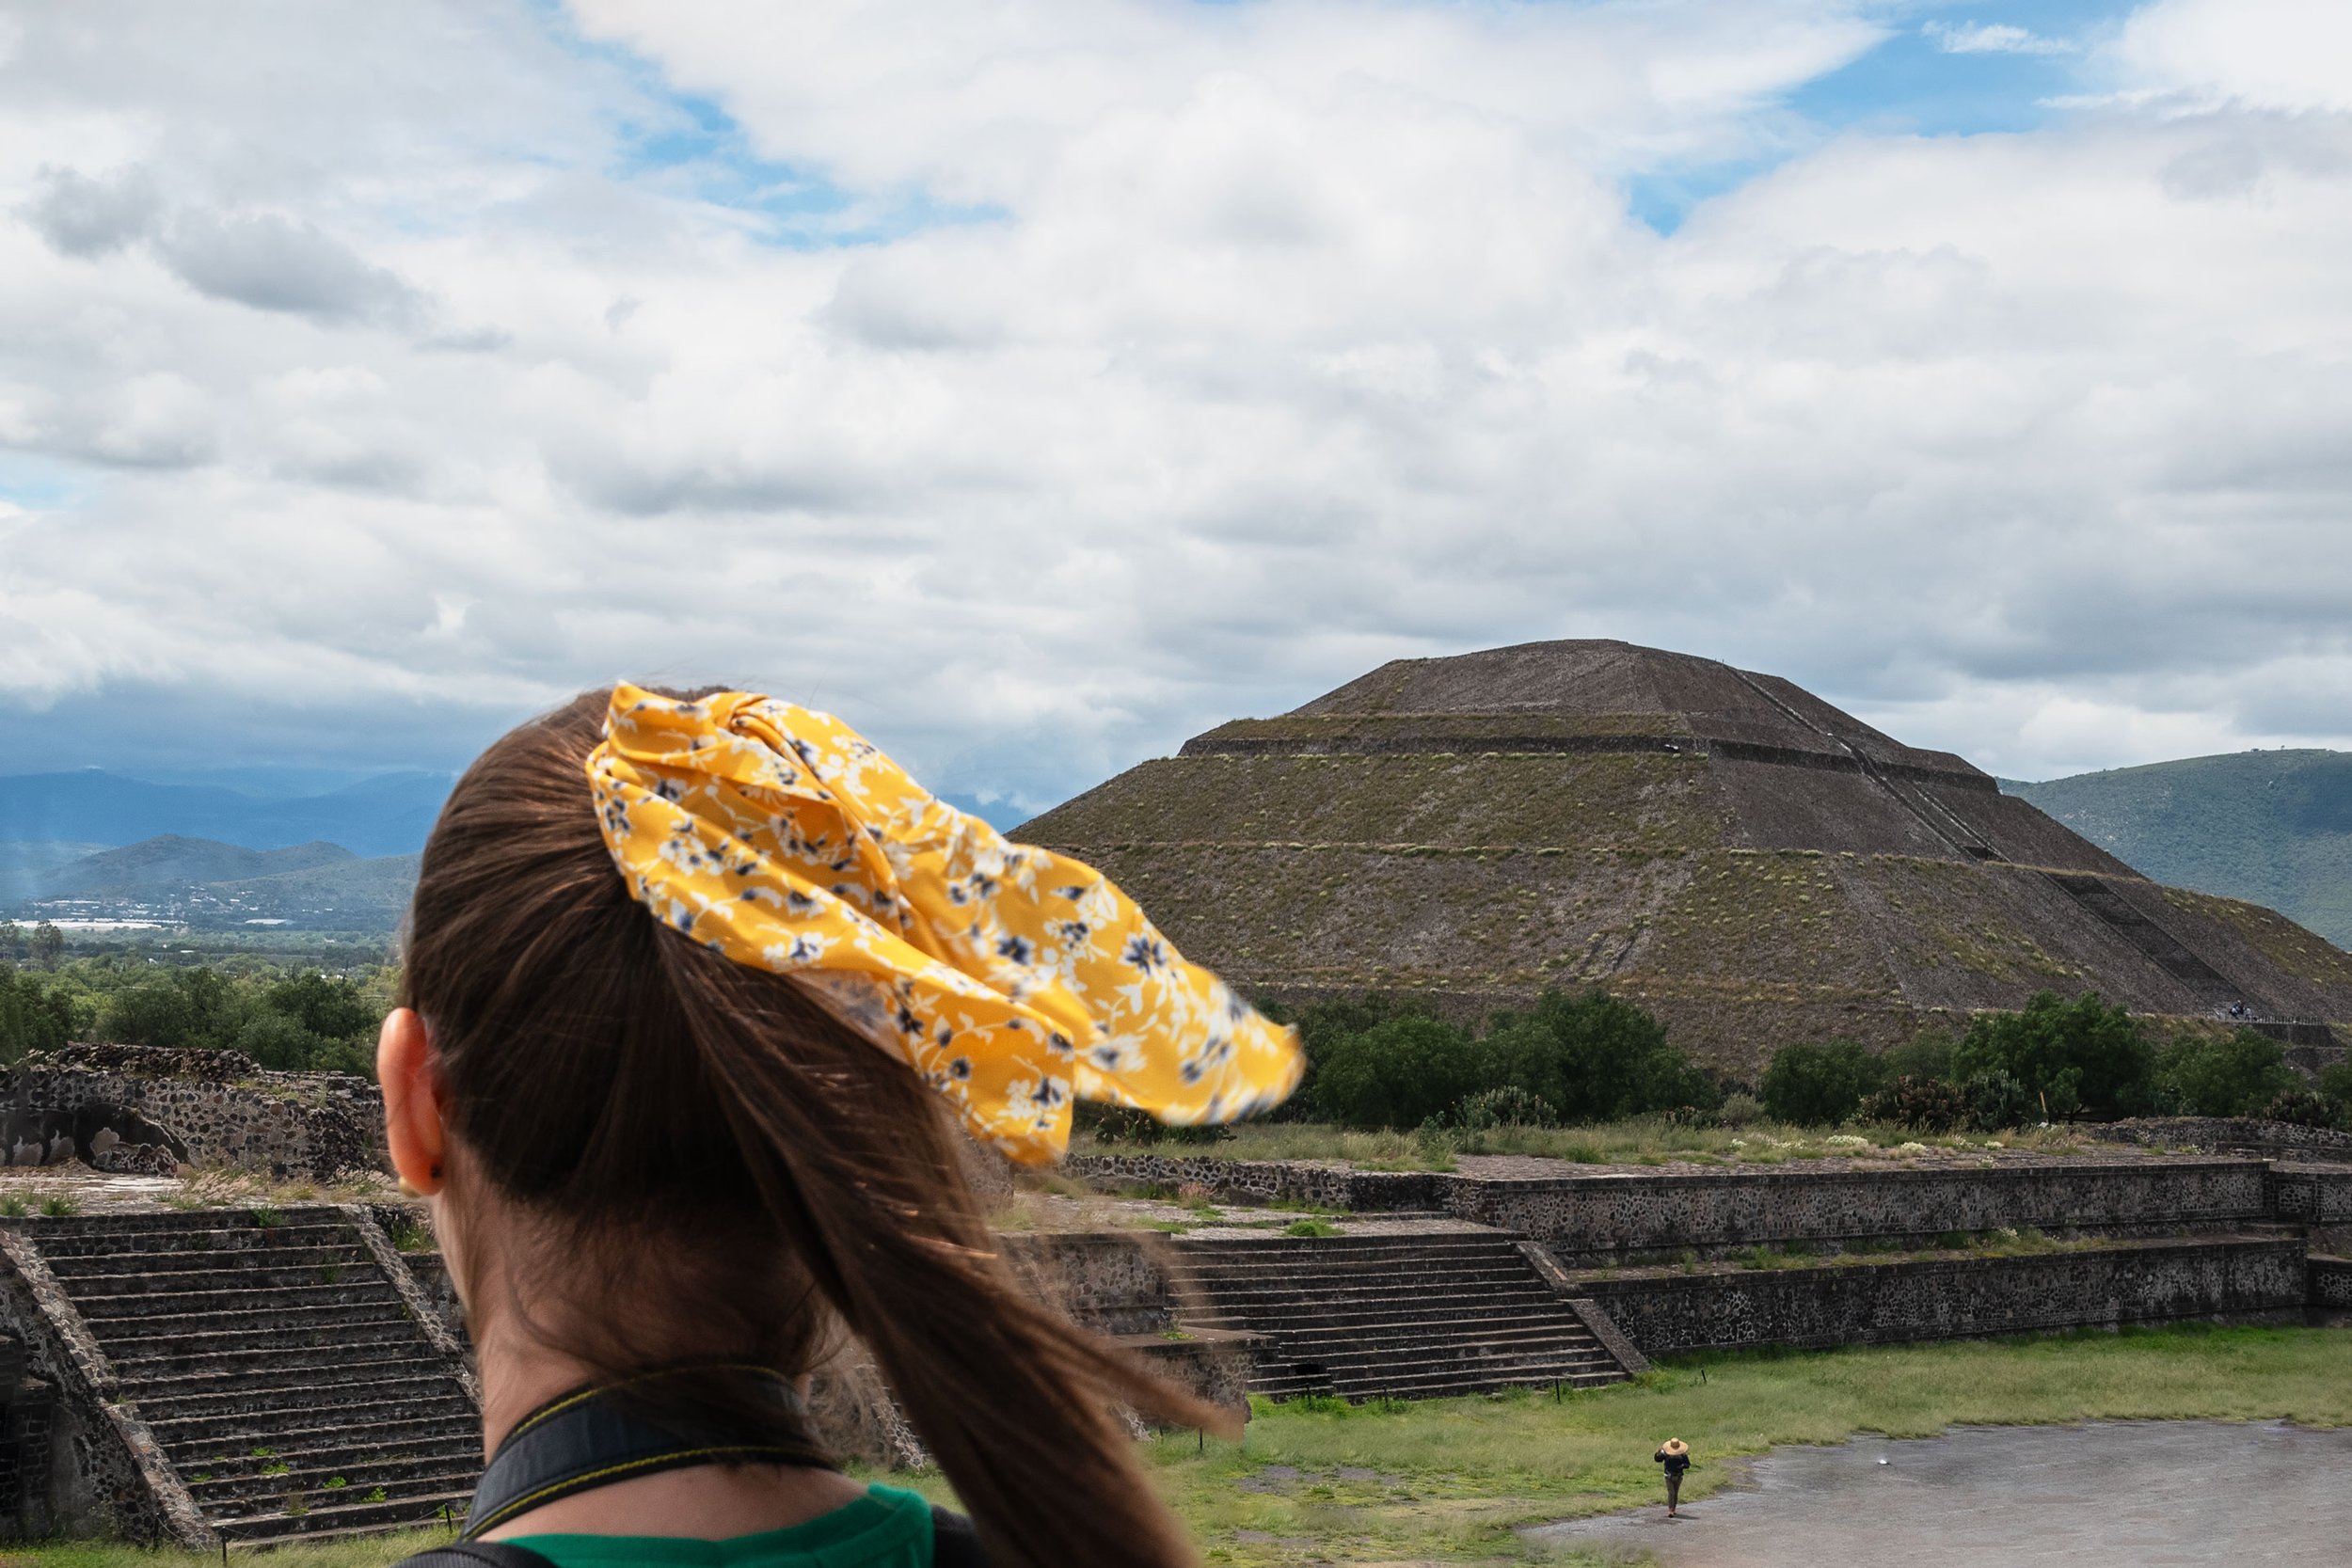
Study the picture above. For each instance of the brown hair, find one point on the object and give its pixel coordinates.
(743, 1168)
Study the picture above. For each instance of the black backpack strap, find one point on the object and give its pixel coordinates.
(476, 1554)
(954, 1542)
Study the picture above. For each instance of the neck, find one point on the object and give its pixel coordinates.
(711, 1502)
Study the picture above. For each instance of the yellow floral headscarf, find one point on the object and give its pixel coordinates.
(1009, 976)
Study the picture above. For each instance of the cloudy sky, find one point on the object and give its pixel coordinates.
(1038, 382)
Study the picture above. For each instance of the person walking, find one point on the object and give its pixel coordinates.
(1676, 1457)
(698, 991)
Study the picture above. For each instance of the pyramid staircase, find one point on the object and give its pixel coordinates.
(1409, 1316)
(283, 1372)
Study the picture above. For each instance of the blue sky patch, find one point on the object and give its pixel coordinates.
(1941, 70)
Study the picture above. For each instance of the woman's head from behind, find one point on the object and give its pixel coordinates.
(645, 1154)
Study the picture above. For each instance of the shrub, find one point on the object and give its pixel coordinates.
(1508, 1107)
(1819, 1086)
(1594, 1058)
(33, 1016)
(1927, 1054)
(1995, 1101)
(1739, 1109)
(1324, 1027)
(2234, 1075)
(2335, 1087)
(2300, 1107)
(1400, 1073)
(2072, 1057)
(1925, 1103)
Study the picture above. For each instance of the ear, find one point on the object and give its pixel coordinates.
(412, 1100)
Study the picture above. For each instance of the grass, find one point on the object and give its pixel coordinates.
(373, 1551)
(406, 1235)
(1639, 1140)
(1448, 1481)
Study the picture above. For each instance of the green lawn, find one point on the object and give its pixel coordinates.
(1446, 1481)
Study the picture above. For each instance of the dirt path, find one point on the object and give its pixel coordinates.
(2146, 1493)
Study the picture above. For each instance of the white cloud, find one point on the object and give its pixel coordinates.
(2291, 54)
(1994, 37)
(1251, 346)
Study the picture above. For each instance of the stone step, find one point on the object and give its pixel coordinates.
(1382, 1269)
(77, 1238)
(1560, 1327)
(344, 1518)
(230, 1498)
(1367, 1308)
(1288, 1287)
(165, 1350)
(1334, 1251)
(1360, 1347)
(390, 1425)
(257, 1249)
(316, 1317)
(372, 1289)
(1406, 1370)
(332, 1453)
(351, 1400)
(253, 1374)
(331, 1266)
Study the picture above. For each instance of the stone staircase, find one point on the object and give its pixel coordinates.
(283, 1374)
(1410, 1316)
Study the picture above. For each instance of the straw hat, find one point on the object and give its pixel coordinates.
(1675, 1444)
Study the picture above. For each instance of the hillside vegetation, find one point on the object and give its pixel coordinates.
(2274, 828)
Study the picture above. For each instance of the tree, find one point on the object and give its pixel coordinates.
(48, 944)
(1323, 1027)
(2072, 1057)
(1927, 1056)
(1819, 1085)
(1592, 1057)
(2236, 1075)
(1401, 1074)
(33, 1016)
(331, 1009)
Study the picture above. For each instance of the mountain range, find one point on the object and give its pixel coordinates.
(2272, 828)
(97, 843)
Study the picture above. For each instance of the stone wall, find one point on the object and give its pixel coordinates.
(1956, 1297)
(1614, 1216)
(1604, 1217)
(105, 1475)
(2228, 1135)
(2312, 1194)
(1329, 1186)
(224, 1107)
(2331, 1284)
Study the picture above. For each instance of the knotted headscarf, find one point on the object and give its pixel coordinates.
(1009, 976)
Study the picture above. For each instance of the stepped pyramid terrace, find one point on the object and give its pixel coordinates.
(1723, 847)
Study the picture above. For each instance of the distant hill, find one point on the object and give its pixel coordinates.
(23, 863)
(169, 863)
(206, 882)
(388, 814)
(2272, 828)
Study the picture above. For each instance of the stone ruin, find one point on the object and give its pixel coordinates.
(128, 1108)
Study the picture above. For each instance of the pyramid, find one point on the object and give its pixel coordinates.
(1723, 847)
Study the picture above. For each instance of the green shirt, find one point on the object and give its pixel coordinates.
(886, 1528)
